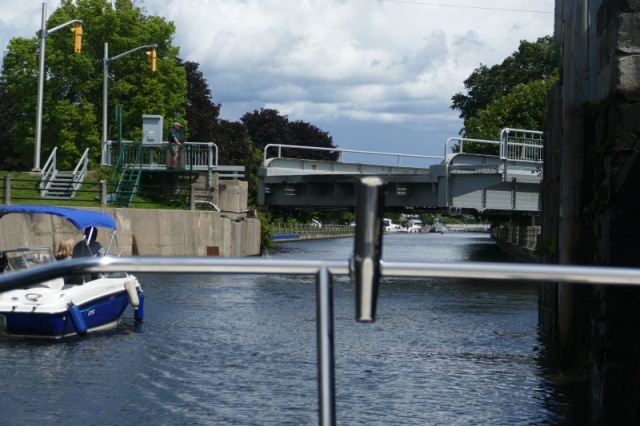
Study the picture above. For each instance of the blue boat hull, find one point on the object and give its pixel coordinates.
(101, 313)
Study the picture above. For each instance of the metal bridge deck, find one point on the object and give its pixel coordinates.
(508, 182)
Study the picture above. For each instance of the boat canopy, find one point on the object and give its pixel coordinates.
(81, 219)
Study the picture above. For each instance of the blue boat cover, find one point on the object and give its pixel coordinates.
(81, 219)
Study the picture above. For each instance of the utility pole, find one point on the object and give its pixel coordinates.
(43, 36)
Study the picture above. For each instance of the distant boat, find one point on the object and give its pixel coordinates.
(414, 226)
(389, 226)
(438, 227)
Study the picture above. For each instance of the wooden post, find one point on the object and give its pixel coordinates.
(192, 196)
(103, 193)
(6, 196)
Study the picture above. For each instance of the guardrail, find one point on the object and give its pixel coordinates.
(195, 156)
(341, 152)
(321, 272)
(308, 229)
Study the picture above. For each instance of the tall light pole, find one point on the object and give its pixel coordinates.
(43, 36)
(105, 95)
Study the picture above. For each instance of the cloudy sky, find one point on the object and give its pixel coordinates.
(376, 74)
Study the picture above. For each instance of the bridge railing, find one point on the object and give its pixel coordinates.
(519, 144)
(461, 142)
(196, 155)
(270, 148)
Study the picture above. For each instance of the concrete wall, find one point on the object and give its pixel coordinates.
(591, 207)
(145, 232)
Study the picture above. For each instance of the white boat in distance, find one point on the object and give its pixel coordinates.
(414, 226)
(55, 308)
(390, 227)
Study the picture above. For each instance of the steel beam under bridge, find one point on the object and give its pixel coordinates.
(483, 183)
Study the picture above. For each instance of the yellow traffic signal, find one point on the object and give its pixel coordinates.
(77, 38)
(152, 56)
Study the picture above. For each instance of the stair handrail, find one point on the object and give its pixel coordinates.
(49, 170)
(121, 166)
(138, 171)
(80, 171)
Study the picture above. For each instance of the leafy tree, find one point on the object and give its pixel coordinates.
(306, 134)
(72, 104)
(522, 108)
(8, 158)
(231, 138)
(267, 126)
(200, 111)
(532, 62)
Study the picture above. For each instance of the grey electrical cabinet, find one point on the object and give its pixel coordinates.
(152, 128)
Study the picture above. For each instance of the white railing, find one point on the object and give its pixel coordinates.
(80, 171)
(519, 144)
(195, 156)
(341, 151)
(49, 170)
(461, 142)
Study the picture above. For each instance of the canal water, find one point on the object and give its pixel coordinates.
(241, 350)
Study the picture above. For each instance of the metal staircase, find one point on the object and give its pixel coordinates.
(129, 167)
(55, 184)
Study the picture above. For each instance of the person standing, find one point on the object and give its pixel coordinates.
(86, 247)
(175, 144)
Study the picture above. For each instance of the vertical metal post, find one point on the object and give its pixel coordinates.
(326, 373)
(367, 253)
(105, 76)
(38, 142)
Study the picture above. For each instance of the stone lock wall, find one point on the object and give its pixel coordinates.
(592, 173)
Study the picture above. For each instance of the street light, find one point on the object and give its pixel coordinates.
(105, 71)
(43, 36)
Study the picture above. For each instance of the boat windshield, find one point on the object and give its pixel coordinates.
(25, 258)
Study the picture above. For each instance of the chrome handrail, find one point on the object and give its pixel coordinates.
(323, 271)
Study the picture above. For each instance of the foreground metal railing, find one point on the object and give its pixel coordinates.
(365, 268)
(323, 271)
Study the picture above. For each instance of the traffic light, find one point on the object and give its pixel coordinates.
(152, 57)
(77, 37)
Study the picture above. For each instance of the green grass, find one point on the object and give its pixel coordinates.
(25, 190)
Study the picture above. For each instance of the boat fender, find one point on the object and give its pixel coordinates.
(138, 313)
(130, 284)
(78, 321)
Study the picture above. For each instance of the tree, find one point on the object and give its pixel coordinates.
(8, 158)
(267, 126)
(522, 108)
(306, 134)
(532, 62)
(200, 111)
(72, 104)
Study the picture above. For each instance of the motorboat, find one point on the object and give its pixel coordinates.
(439, 227)
(414, 226)
(390, 227)
(59, 308)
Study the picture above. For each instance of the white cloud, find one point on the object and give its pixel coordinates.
(354, 63)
